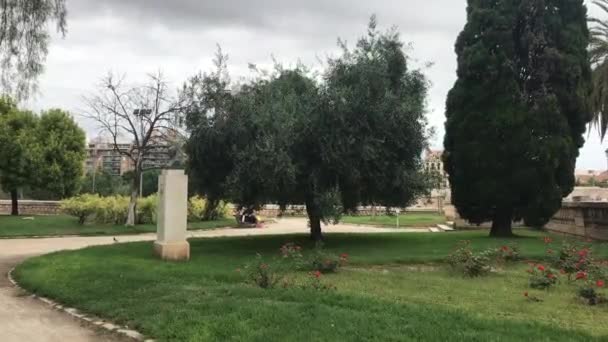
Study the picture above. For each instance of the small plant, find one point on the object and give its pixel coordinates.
(542, 277)
(315, 283)
(291, 257)
(325, 262)
(508, 253)
(262, 274)
(592, 284)
(291, 251)
(470, 264)
(573, 259)
(591, 294)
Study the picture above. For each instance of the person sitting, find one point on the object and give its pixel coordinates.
(248, 217)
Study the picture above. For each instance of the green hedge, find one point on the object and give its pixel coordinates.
(114, 209)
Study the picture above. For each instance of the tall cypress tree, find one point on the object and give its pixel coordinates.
(517, 113)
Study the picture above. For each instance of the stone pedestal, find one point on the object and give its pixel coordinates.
(172, 216)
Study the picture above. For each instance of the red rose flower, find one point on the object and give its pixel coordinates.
(505, 248)
(581, 275)
(541, 268)
(550, 276)
(600, 283)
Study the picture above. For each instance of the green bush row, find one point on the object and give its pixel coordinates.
(114, 209)
(197, 206)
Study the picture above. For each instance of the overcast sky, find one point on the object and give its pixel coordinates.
(136, 37)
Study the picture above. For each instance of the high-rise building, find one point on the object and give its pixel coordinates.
(104, 156)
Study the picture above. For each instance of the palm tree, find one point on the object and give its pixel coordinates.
(598, 50)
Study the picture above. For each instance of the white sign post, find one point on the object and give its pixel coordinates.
(172, 216)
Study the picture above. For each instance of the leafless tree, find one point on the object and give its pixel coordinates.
(147, 115)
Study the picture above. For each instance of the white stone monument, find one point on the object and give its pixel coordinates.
(171, 243)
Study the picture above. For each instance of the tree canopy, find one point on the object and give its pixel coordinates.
(19, 154)
(39, 152)
(353, 136)
(518, 111)
(24, 40)
(62, 146)
(599, 59)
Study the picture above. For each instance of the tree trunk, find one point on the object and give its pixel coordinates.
(210, 212)
(132, 215)
(14, 202)
(314, 217)
(501, 224)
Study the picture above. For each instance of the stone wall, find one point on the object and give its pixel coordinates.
(27, 207)
(584, 219)
(272, 210)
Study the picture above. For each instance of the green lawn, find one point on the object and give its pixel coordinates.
(414, 219)
(11, 226)
(394, 289)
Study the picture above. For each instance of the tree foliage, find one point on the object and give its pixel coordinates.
(354, 136)
(19, 154)
(24, 40)
(44, 153)
(599, 59)
(62, 146)
(518, 111)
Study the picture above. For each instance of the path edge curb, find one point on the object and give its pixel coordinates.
(75, 313)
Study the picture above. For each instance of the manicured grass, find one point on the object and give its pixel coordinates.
(394, 289)
(11, 226)
(405, 220)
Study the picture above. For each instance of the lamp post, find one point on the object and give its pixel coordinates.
(141, 113)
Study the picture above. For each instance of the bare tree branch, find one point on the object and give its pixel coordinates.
(145, 114)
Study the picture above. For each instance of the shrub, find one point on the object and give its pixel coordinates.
(508, 253)
(112, 210)
(542, 277)
(146, 209)
(325, 262)
(315, 283)
(82, 207)
(593, 282)
(573, 258)
(197, 207)
(262, 273)
(591, 292)
(463, 260)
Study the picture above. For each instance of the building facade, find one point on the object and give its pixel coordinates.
(434, 164)
(102, 155)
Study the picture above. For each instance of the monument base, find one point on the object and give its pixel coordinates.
(172, 251)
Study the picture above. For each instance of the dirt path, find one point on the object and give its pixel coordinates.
(25, 319)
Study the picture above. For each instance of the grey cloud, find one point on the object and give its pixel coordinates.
(179, 37)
